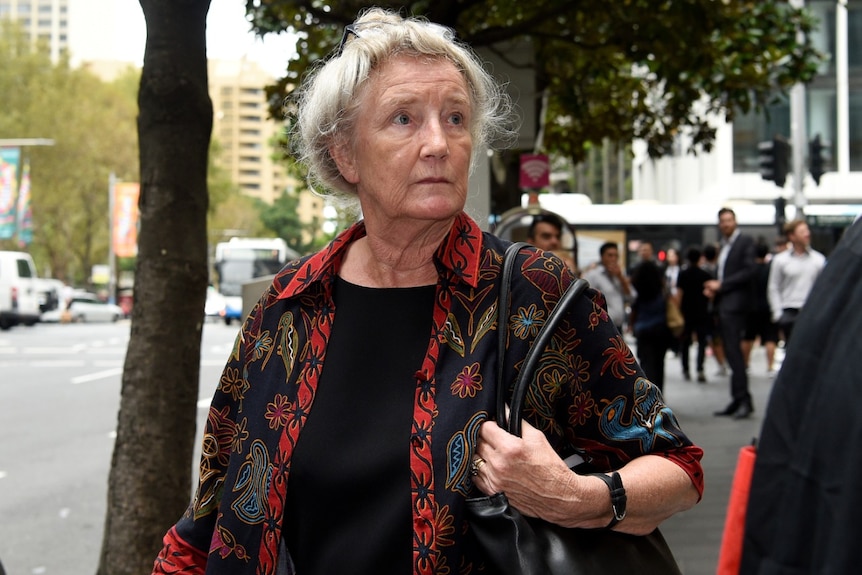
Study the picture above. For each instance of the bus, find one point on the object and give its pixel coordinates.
(666, 226)
(240, 260)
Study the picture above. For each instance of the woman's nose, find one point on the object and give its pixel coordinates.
(435, 143)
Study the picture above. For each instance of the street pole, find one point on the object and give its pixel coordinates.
(798, 131)
(112, 259)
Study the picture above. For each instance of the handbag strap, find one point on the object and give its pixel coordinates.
(531, 360)
(503, 305)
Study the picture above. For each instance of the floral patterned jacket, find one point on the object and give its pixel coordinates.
(592, 398)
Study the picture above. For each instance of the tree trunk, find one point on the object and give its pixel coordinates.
(150, 479)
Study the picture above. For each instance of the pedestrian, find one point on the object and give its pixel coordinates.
(671, 275)
(731, 291)
(546, 233)
(351, 422)
(759, 324)
(802, 514)
(611, 280)
(695, 309)
(709, 262)
(671, 270)
(792, 275)
(649, 316)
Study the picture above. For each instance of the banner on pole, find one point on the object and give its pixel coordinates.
(9, 160)
(125, 219)
(25, 215)
(535, 171)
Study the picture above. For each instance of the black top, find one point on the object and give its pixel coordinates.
(348, 496)
(803, 509)
(694, 305)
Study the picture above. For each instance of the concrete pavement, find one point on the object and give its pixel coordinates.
(695, 535)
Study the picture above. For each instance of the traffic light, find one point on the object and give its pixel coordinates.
(818, 156)
(774, 160)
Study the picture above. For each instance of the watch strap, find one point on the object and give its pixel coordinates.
(618, 496)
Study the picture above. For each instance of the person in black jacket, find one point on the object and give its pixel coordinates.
(695, 310)
(803, 506)
(759, 323)
(731, 291)
(649, 315)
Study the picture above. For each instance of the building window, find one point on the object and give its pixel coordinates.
(823, 37)
(855, 129)
(751, 129)
(854, 37)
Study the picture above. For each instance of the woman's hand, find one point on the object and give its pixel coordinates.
(539, 484)
(536, 480)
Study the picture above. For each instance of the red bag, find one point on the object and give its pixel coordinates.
(730, 555)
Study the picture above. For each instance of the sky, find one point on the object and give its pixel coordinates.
(228, 35)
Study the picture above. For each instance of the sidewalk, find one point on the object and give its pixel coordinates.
(695, 535)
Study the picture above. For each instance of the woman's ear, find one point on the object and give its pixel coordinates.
(342, 153)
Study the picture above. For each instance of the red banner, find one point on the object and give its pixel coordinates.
(125, 220)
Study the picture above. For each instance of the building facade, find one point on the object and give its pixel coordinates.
(44, 20)
(247, 135)
(831, 108)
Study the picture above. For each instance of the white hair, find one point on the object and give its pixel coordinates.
(328, 103)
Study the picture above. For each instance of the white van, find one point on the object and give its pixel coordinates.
(19, 293)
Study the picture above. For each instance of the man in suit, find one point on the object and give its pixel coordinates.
(731, 291)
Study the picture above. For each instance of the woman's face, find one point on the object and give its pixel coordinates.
(410, 153)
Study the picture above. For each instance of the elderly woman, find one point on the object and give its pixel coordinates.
(358, 393)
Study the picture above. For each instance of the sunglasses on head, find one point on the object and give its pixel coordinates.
(369, 27)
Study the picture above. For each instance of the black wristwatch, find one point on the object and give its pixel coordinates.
(618, 496)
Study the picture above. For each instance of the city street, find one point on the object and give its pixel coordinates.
(61, 386)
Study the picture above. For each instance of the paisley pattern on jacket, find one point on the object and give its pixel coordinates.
(591, 398)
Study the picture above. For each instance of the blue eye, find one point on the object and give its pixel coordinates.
(402, 119)
(456, 119)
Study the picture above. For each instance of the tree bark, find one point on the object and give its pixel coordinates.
(150, 478)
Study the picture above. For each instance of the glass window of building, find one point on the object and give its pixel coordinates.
(855, 129)
(751, 129)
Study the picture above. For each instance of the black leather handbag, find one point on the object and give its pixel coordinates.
(519, 545)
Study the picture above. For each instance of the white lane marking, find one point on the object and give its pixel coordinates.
(65, 350)
(97, 375)
(56, 363)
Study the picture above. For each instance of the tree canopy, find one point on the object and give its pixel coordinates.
(615, 69)
(92, 124)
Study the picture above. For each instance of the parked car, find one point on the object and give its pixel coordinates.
(50, 294)
(19, 292)
(85, 306)
(214, 305)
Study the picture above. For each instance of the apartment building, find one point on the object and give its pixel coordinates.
(247, 135)
(45, 20)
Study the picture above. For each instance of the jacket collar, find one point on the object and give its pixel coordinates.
(457, 256)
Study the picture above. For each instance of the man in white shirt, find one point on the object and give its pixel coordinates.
(791, 276)
(609, 278)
